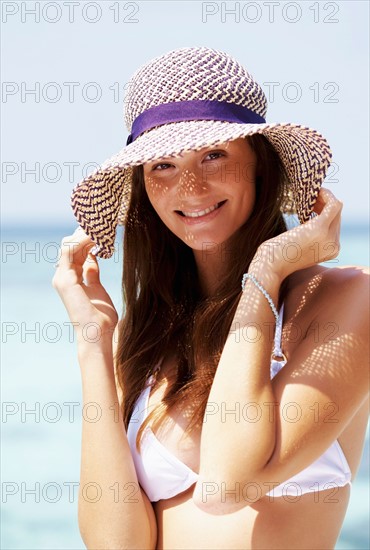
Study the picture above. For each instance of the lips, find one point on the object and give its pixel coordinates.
(200, 213)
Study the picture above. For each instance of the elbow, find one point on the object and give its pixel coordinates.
(117, 528)
(205, 497)
(96, 541)
(101, 538)
(224, 497)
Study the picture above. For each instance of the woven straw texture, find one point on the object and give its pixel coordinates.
(100, 201)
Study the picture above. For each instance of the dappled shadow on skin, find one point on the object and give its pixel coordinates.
(313, 520)
(220, 178)
(316, 371)
(188, 187)
(323, 363)
(327, 360)
(318, 375)
(335, 340)
(312, 287)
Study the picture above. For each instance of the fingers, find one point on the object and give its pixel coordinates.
(327, 205)
(91, 274)
(74, 262)
(74, 250)
(331, 212)
(329, 219)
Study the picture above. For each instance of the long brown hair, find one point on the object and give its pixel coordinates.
(164, 305)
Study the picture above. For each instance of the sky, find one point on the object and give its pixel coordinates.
(65, 66)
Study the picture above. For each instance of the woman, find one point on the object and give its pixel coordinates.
(240, 375)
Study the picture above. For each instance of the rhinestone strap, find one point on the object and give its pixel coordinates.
(264, 292)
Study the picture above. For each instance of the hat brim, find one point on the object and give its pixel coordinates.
(100, 201)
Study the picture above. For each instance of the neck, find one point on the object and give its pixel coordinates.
(212, 267)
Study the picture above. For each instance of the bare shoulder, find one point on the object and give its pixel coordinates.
(348, 274)
(344, 296)
(327, 346)
(341, 326)
(343, 274)
(328, 289)
(344, 290)
(329, 306)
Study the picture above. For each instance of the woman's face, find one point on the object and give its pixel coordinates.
(205, 196)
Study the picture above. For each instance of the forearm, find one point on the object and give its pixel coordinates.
(112, 511)
(241, 405)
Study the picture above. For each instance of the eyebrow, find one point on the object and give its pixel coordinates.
(162, 159)
(169, 159)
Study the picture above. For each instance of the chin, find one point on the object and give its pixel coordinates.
(206, 243)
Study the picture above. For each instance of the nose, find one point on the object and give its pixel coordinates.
(192, 182)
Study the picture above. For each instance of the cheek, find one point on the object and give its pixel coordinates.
(155, 188)
(158, 195)
(156, 191)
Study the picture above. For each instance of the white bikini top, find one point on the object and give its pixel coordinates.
(162, 475)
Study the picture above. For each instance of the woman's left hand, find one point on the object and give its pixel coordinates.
(315, 241)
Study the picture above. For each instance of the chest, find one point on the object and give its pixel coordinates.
(172, 431)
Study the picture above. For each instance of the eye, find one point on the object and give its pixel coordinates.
(161, 166)
(215, 154)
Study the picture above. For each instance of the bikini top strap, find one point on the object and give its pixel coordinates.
(278, 331)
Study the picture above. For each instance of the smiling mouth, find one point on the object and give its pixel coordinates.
(200, 213)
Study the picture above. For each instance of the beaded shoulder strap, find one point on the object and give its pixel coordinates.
(278, 354)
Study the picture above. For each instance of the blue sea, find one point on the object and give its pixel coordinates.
(41, 394)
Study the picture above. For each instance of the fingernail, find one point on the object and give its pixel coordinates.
(95, 250)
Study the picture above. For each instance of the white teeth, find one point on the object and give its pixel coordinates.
(201, 212)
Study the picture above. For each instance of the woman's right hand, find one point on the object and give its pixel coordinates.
(311, 243)
(77, 281)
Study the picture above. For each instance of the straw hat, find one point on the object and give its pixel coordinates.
(185, 100)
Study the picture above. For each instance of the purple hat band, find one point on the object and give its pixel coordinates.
(178, 111)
